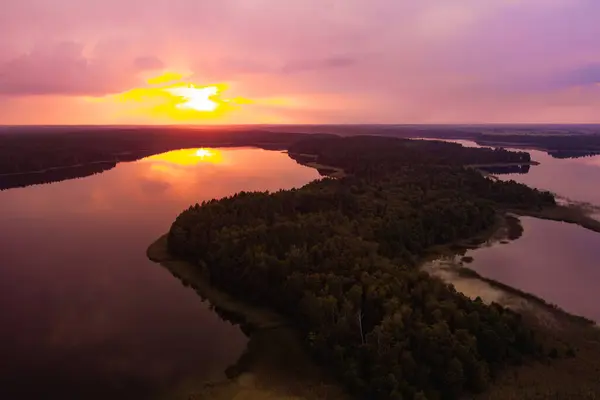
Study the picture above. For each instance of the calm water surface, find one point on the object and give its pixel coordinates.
(83, 313)
(576, 179)
(557, 261)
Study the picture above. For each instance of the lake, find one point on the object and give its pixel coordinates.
(84, 313)
(556, 261)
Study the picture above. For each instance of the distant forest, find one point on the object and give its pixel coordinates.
(341, 258)
(28, 158)
(36, 155)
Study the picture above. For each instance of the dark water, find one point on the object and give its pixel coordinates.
(83, 313)
(557, 261)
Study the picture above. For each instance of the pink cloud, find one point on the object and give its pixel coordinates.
(144, 63)
(403, 61)
(65, 69)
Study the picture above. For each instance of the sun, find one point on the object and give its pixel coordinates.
(203, 153)
(196, 98)
(172, 97)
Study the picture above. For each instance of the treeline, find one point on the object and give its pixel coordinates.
(506, 169)
(552, 143)
(36, 155)
(53, 175)
(35, 149)
(555, 140)
(573, 153)
(373, 155)
(340, 258)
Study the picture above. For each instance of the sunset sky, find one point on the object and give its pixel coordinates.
(299, 61)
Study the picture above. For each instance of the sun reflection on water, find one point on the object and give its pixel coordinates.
(187, 157)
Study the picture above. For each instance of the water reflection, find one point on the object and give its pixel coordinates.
(188, 157)
(506, 169)
(572, 153)
(572, 178)
(555, 261)
(494, 169)
(84, 314)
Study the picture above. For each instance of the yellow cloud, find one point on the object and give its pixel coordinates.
(167, 77)
(169, 96)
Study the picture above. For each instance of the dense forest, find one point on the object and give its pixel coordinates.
(341, 257)
(11, 181)
(372, 155)
(556, 140)
(573, 154)
(552, 143)
(30, 151)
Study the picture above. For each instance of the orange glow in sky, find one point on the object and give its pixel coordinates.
(171, 97)
(193, 98)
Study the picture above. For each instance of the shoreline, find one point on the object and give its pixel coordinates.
(572, 377)
(577, 214)
(249, 317)
(310, 161)
(507, 228)
(571, 214)
(450, 267)
(274, 365)
(507, 164)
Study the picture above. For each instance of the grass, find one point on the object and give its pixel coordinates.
(565, 378)
(469, 273)
(574, 374)
(570, 214)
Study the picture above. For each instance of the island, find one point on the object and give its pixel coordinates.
(338, 262)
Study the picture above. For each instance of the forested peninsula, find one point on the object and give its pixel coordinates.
(339, 258)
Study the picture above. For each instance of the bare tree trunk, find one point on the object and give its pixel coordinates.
(360, 316)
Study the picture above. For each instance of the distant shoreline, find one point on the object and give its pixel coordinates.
(511, 164)
(452, 270)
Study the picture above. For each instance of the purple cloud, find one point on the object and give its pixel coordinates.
(64, 69)
(312, 65)
(582, 76)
